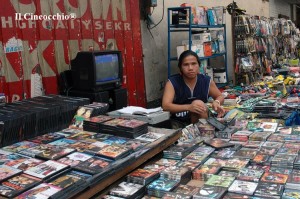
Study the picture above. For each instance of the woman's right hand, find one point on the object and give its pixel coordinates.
(198, 106)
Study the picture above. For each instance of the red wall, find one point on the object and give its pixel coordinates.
(99, 24)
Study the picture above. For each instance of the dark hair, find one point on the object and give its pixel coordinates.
(186, 53)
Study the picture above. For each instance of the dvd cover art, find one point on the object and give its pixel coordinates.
(46, 169)
(250, 174)
(113, 151)
(80, 146)
(81, 114)
(243, 187)
(273, 190)
(19, 146)
(269, 126)
(132, 123)
(274, 178)
(125, 189)
(172, 195)
(27, 164)
(7, 172)
(93, 165)
(65, 181)
(142, 173)
(220, 181)
(19, 184)
(81, 135)
(212, 192)
(42, 191)
(46, 138)
(11, 163)
(284, 130)
(163, 184)
(150, 136)
(63, 142)
(54, 152)
(187, 189)
(218, 143)
(291, 194)
(74, 158)
(6, 191)
(115, 140)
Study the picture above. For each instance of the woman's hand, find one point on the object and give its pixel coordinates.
(197, 106)
(218, 108)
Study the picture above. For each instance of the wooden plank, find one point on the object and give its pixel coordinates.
(129, 68)
(74, 28)
(12, 59)
(138, 54)
(98, 26)
(61, 37)
(46, 54)
(86, 25)
(118, 15)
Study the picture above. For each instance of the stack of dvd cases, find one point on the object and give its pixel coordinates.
(94, 123)
(129, 128)
(36, 116)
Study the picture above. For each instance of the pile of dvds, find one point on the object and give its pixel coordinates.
(93, 124)
(210, 192)
(260, 136)
(270, 190)
(243, 187)
(37, 116)
(46, 138)
(297, 163)
(128, 190)
(220, 181)
(86, 112)
(242, 135)
(170, 195)
(161, 186)
(181, 174)
(293, 181)
(70, 182)
(17, 184)
(286, 161)
(114, 152)
(129, 128)
(204, 172)
(187, 189)
(218, 143)
(142, 176)
(288, 193)
(180, 150)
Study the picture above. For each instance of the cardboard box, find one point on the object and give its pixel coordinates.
(203, 37)
(207, 49)
(220, 76)
(196, 48)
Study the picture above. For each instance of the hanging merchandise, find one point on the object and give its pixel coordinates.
(266, 42)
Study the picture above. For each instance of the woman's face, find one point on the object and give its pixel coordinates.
(190, 67)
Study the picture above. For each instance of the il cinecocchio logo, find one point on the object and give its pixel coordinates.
(35, 17)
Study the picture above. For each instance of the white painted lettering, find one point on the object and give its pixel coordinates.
(6, 23)
(86, 24)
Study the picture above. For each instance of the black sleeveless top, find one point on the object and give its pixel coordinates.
(183, 94)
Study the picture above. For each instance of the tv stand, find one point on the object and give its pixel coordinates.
(116, 98)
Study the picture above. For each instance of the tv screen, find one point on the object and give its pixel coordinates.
(97, 70)
(107, 67)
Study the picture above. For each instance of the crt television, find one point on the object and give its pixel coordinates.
(97, 70)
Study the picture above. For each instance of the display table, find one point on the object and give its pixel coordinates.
(131, 162)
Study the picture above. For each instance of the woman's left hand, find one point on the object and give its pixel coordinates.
(218, 108)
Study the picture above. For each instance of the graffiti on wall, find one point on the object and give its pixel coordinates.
(49, 33)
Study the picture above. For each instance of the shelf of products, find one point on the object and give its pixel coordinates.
(207, 38)
(261, 44)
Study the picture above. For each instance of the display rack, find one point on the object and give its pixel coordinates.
(188, 28)
(131, 162)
